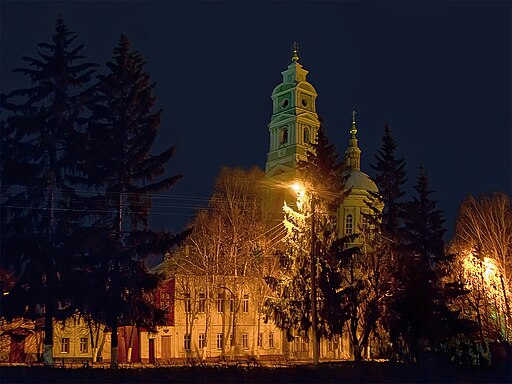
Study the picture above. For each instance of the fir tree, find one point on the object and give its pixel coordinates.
(390, 178)
(40, 213)
(422, 317)
(126, 175)
(322, 176)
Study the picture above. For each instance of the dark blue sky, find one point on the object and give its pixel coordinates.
(438, 71)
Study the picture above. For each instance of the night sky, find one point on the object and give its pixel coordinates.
(439, 72)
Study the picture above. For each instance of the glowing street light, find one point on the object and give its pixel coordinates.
(300, 190)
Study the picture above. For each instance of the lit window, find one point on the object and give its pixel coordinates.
(220, 339)
(220, 303)
(260, 340)
(84, 345)
(188, 304)
(245, 304)
(64, 347)
(245, 341)
(364, 223)
(202, 340)
(202, 303)
(271, 340)
(349, 223)
(165, 301)
(186, 341)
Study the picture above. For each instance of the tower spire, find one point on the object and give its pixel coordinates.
(295, 52)
(353, 153)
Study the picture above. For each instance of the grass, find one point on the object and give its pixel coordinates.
(343, 372)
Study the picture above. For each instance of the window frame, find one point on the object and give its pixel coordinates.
(187, 341)
(65, 345)
(84, 345)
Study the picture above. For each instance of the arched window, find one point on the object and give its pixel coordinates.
(284, 136)
(306, 135)
(349, 224)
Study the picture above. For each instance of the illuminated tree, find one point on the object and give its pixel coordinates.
(226, 245)
(313, 217)
(483, 243)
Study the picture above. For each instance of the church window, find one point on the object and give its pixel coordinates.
(349, 224)
(284, 136)
(306, 135)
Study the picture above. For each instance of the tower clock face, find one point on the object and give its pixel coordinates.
(284, 103)
(304, 103)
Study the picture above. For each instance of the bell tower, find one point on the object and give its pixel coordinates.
(294, 122)
(293, 129)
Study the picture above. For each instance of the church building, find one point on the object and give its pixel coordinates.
(293, 129)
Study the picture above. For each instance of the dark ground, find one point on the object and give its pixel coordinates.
(345, 372)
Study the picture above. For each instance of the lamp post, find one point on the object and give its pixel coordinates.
(298, 188)
(313, 283)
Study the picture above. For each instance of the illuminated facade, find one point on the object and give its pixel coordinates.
(351, 212)
(293, 128)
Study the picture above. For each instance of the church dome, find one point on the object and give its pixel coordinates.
(360, 180)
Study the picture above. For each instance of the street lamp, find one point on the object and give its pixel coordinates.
(299, 188)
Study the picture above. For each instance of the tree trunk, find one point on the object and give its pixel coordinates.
(113, 346)
(130, 345)
(48, 314)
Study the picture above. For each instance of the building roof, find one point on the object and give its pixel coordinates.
(360, 180)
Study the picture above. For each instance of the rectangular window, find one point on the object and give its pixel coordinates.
(330, 345)
(165, 300)
(84, 345)
(188, 304)
(232, 304)
(202, 341)
(220, 303)
(271, 340)
(186, 341)
(260, 340)
(64, 347)
(245, 341)
(202, 303)
(349, 223)
(220, 340)
(245, 304)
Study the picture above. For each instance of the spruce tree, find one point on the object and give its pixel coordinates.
(422, 316)
(323, 179)
(127, 175)
(390, 178)
(40, 213)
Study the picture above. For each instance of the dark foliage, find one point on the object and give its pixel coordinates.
(125, 174)
(40, 209)
(390, 178)
(421, 318)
